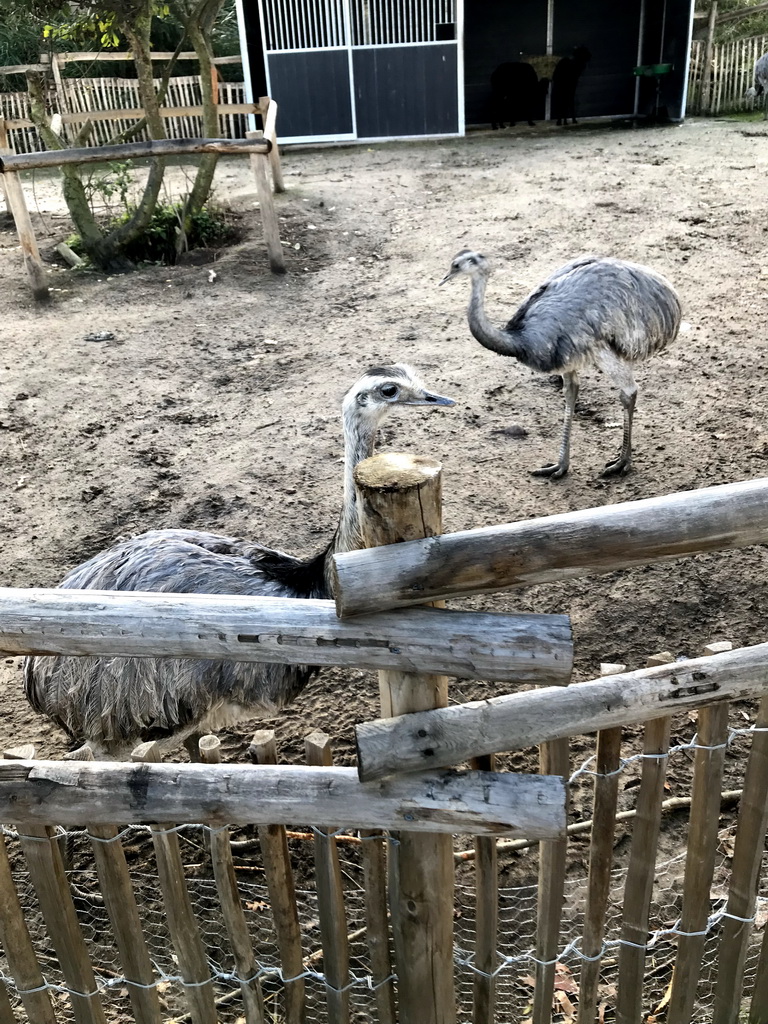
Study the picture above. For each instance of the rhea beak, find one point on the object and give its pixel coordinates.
(428, 398)
(451, 273)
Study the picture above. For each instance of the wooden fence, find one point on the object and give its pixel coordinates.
(622, 951)
(731, 74)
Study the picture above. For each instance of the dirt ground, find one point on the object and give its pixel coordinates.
(215, 404)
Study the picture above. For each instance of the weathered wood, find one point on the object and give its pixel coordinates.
(553, 759)
(600, 860)
(268, 109)
(373, 855)
(137, 113)
(17, 205)
(125, 55)
(473, 802)
(399, 498)
(486, 919)
(552, 548)
(130, 151)
(473, 645)
(182, 926)
(231, 906)
(19, 951)
(330, 899)
(711, 737)
(282, 892)
(67, 254)
(641, 872)
(512, 722)
(6, 1010)
(758, 1007)
(269, 222)
(745, 872)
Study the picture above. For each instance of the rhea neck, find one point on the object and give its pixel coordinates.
(359, 441)
(504, 342)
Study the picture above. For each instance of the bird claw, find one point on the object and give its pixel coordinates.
(617, 467)
(555, 471)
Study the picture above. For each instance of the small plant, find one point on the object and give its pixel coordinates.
(111, 186)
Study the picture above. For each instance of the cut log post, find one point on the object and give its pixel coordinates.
(745, 872)
(515, 721)
(474, 645)
(46, 872)
(282, 892)
(231, 905)
(260, 168)
(373, 854)
(552, 548)
(269, 115)
(130, 151)
(184, 932)
(475, 803)
(330, 900)
(553, 760)
(486, 919)
(711, 737)
(606, 794)
(399, 498)
(120, 902)
(17, 204)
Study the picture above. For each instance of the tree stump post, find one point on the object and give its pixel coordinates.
(399, 499)
(17, 205)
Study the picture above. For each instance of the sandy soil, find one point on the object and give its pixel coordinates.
(215, 405)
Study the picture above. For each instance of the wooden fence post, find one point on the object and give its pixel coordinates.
(282, 892)
(330, 900)
(486, 917)
(47, 874)
(259, 166)
(231, 905)
(607, 762)
(268, 109)
(374, 856)
(399, 499)
(17, 204)
(185, 934)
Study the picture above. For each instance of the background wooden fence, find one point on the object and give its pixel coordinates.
(731, 72)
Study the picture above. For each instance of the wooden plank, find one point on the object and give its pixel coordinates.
(477, 803)
(373, 855)
(231, 906)
(399, 497)
(269, 222)
(182, 926)
(553, 759)
(21, 69)
(270, 132)
(125, 55)
(137, 113)
(515, 721)
(745, 871)
(486, 919)
(475, 645)
(282, 893)
(330, 900)
(131, 151)
(19, 951)
(17, 204)
(641, 872)
(552, 548)
(712, 735)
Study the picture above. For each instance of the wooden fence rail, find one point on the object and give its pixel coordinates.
(730, 75)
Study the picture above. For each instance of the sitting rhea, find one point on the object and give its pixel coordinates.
(113, 704)
(593, 311)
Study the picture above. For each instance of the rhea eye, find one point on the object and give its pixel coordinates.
(389, 390)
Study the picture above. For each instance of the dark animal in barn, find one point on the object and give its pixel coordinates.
(113, 704)
(517, 94)
(593, 311)
(565, 78)
(760, 87)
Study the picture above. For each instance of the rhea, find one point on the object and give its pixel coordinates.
(593, 311)
(113, 704)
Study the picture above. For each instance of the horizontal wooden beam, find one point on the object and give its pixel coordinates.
(109, 55)
(136, 113)
(20, 69)
(477, 645)
(113, 792)
(595, 540)
(132, 151)
(452, 735)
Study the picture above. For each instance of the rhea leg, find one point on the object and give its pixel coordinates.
(570, 393)
(628, 396)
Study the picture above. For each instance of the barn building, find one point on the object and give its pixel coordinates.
(345, 70)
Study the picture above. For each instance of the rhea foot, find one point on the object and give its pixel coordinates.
(617, 467)
(555, 471)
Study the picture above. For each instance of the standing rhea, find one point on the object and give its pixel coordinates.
(115, 703)
(760, 87)
(594, 310)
